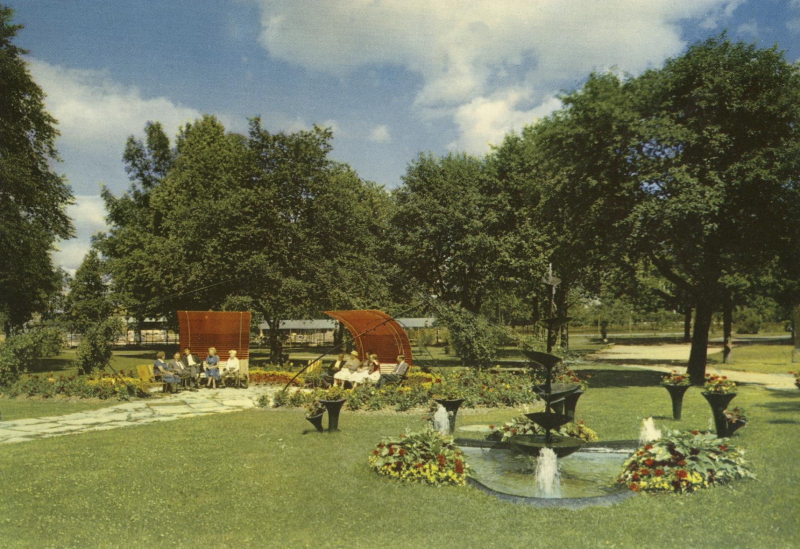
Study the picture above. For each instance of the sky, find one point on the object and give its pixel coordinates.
(392, 78)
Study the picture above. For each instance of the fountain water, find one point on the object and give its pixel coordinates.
(441, 421)
(548, 478)
(648, 432)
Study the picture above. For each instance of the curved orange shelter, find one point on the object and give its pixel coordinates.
(375, 332)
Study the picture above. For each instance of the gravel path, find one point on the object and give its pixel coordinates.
(680, 352)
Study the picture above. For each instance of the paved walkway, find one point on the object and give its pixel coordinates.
(139, 412)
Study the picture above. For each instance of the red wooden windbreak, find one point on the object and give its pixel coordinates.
(375, 332)
(223, 330)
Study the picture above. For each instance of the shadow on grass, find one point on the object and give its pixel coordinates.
(787, 403)
(52, 364)
(621, 378)
(784, 421)
(639, 361)
(639, 340)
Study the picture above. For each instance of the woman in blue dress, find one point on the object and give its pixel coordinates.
(160, 367)
(211, 366)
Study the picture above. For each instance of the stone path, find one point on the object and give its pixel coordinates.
(139, 412)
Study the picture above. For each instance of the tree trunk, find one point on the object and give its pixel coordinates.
(699, 353)
(604, 330)
(727, 324)
(687, 324)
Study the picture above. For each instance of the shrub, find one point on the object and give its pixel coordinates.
(94, 351)
(18, 352)
(425, 456)
(101, 386)
(683, 462)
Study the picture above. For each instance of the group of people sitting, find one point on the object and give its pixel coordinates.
(187, 370)
(351, 369)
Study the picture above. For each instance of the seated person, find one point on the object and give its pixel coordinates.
(161, 368)
(231, 369)
(192, 365)
(211, 366)
(397, 374)
(176, 366)
(374, 369)
(348, 370)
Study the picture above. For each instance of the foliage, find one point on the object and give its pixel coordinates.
(33, 197)
(735, 415)
(259, 376)
(88, 302)
(747, 320)
(719, 385)
(18, 352)
(94, 350)
(425, 456)
(521, 425)
(796, 377)
(474, 338)
(99, 385)
(314, 408)
(674, 378)
(683, 462)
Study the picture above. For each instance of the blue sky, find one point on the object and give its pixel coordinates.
(393, 78)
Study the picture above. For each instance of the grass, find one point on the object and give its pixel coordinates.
(258, 479)
(12, 408)
(763, 358)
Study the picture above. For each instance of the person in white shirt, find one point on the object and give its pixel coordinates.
(348, 370)
(231, 368)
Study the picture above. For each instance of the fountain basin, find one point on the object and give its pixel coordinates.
(588, 476)
(531, 445)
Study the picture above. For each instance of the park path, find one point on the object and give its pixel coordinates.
(138, 412)
(680, 352)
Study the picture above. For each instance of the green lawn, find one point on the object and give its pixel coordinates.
(12, 408)
(768, 359)
(257, 479)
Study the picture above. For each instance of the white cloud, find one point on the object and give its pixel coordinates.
(473, 56)
(96, 113)
(88, 216)
(380, 134)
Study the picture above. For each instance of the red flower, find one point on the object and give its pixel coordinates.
(442, 460)
(659, 472)
(724, 377)
(491, 427)
(649, 462)
(644, 472)
(402, 451)
(377, 452)
(381, 445)
(391, 451)
(681, 474)
(459, 467)
(633, 486)
(695, 432)
(682, 462)
(648, 447)
(723, 448)
(635, 476)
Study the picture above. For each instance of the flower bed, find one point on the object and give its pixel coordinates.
(683, 462)
(425, 456)
(260, 376)
(102, 386)
(523, 426)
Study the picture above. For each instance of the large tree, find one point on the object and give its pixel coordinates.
(33, 197)
(717, 168)
(88, 301)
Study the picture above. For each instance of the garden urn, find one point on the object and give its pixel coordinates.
(676, 393)
(719, 402)
(451, 406)
(316, 421)
(333, 407)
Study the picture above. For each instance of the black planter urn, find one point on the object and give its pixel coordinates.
(316, 421)
(719, 402)
(571, 402)
(451, 406)
(676, 393)
(333, 407)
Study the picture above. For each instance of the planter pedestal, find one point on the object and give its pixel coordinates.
(719, 402)
(316, 421)
(451, 406)
(735, 426)
(333, 407)
(676, 393)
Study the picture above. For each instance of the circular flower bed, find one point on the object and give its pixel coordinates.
(683, 462)
(425, 456)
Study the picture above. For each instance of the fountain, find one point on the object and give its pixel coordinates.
(549, 420)
(441, 420)
(585, 479)
(648, 432)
